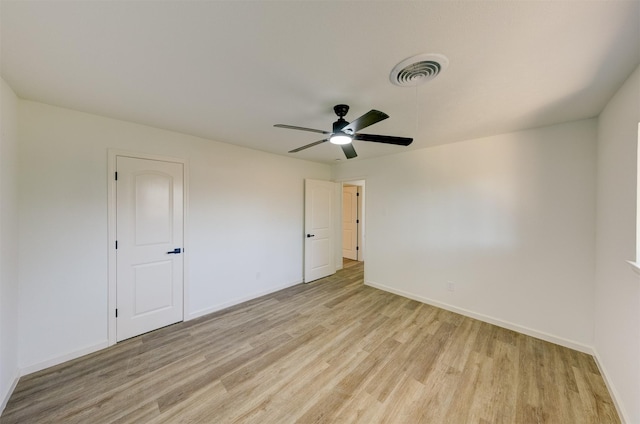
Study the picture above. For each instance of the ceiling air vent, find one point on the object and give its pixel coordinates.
(418, 69)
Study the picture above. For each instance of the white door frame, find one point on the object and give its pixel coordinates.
(111, 213)
(360, 182)
(348, 210)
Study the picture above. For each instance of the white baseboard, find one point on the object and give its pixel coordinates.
(491, 320)
(29, 369)
(7, 395)
(236, 301)
(622, 413)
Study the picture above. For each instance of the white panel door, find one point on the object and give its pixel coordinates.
(319, 228)
(350, 222)
(149, 261)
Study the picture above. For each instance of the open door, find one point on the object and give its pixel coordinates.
(319, 225)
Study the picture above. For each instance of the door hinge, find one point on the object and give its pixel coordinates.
(116, 175)
(357, 194)
(357, 221)
(116, 244)
(357, 247)
(116, 312)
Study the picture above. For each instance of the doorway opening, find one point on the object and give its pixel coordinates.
(353, 220)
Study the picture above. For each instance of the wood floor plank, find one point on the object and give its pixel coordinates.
(332, 351)
(186, 386)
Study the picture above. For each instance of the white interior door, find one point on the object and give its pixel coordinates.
(149, 234)
(350, 222)
(319, 229)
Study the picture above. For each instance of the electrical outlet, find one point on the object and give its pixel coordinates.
(451, 286)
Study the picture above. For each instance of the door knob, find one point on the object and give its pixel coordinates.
(175, 251)
(310, 235)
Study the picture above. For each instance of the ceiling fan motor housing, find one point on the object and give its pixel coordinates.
(340, 110)
(339, 125)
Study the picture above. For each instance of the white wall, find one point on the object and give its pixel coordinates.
(508, 219)
(9, 370)
(244, 232)
(617, 316)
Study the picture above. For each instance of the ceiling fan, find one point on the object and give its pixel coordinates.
(344, 132)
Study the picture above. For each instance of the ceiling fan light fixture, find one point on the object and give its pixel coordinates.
(345, 132)
(340, 138)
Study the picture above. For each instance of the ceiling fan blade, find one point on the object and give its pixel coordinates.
(387, 139)
(365, 120)
(349, 151)
(308, 145)
(293, 127)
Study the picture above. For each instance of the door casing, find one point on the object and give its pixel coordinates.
(361, 184)
(350, 230)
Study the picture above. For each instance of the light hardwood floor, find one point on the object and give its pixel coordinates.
(333, 351)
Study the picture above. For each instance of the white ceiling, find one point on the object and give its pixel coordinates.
(228, 71)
